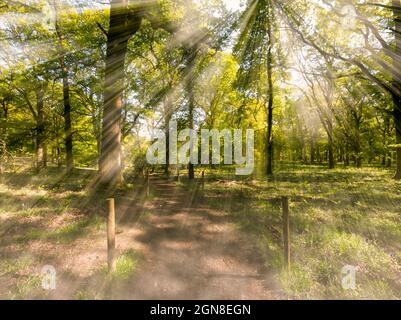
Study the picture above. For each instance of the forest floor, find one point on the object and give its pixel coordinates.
(171, 244)
(182, 242)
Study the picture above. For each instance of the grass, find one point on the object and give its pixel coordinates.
(15, 265)
(26, 283)
(25, 287)
(340, 217)
(65, 234)
(84, 294)
(126, 264)
(40, 212)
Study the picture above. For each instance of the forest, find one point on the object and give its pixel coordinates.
(304, 93)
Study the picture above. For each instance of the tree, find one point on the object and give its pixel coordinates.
(125, 22)
(396, 81)
(256, 45)
(66, 94)
(322, 90)
(369, 58)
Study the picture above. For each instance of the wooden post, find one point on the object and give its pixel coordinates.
(111, 236)
(286, 232)
(178, 174)
(203, 181)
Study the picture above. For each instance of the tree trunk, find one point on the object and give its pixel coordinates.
(340, 155)
(66, 100)
(191, 171)
(388, 164)
(330, 146)
(123, 26)
(191, 55)
(67, 124)
(312, 151)
(41, 148)
(358, 156)
(386, 131)
(96, 129)
(396, 4)
(269, 66)
(167, 133)
(3, 140)
(110, 155)
(58, 157)
(358, 161)
(318, 154)
(397, 119)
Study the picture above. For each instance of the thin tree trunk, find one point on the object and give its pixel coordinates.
(67, 124)
(59, 163)
(318, 154)
(330, 145)
(167, 132)
(397, 119)
(312, 152)
(358, 149)
(41, 148)
(189, 74)
(191, 171)
(358, 156)
(3, 140)
(96, 129)
(191, 55)
(68, 139)
(269, 66)
(331, 154)
(386, 130)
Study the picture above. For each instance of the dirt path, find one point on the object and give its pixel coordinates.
(189, 250)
